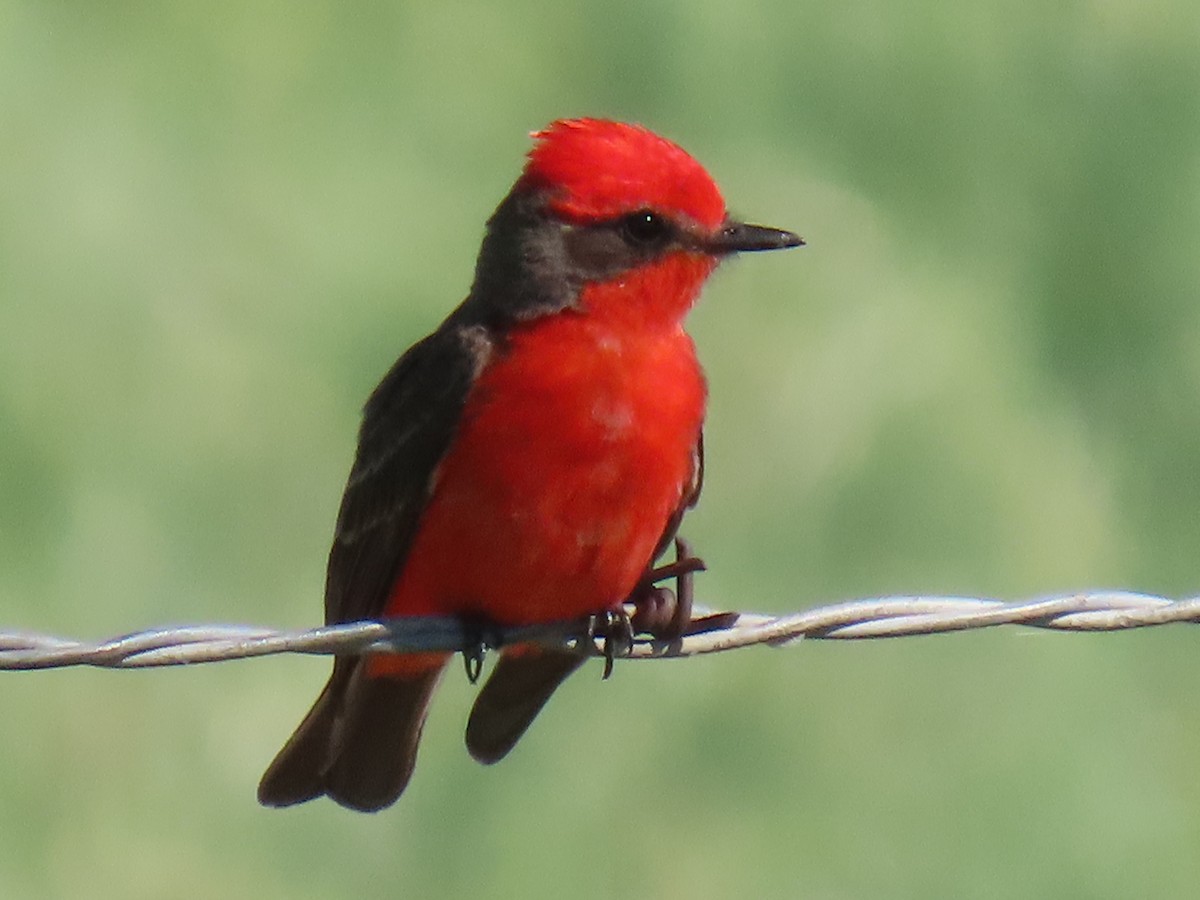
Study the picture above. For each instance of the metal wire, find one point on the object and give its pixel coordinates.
(856, 620)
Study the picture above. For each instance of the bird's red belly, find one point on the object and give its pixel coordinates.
(574, 451)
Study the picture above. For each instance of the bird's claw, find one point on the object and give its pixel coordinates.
(663, 613)
(616, 628)
(474, 650)
(660, 611)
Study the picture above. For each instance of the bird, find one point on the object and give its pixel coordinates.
(530, 459)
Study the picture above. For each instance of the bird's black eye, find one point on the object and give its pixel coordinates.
(645, 229)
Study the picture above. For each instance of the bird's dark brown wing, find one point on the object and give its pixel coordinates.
(408, 424)
(358, 744)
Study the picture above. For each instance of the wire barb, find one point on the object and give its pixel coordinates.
(856, 620)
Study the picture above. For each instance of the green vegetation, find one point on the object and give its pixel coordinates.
(219, 223)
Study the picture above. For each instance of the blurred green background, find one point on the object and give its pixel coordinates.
(219, 224)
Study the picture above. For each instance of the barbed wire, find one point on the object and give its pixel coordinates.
(711, 632)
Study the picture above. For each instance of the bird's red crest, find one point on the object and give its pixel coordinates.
(598, 169)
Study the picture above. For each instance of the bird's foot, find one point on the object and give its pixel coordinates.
(659, 611)
(616, 628)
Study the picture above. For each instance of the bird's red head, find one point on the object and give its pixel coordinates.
(605, 212)
(597, 170)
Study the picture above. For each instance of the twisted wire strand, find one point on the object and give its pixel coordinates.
(855, 620)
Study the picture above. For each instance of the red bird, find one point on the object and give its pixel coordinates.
(529, 460)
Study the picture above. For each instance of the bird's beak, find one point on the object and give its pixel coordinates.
(738, 237)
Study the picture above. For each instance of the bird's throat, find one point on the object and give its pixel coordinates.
(651, 299)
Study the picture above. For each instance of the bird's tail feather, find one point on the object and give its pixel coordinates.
(358, 743)
(514, 694)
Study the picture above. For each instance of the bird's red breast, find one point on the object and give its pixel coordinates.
(575, 446)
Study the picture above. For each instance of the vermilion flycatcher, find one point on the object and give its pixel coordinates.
(529, 460)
